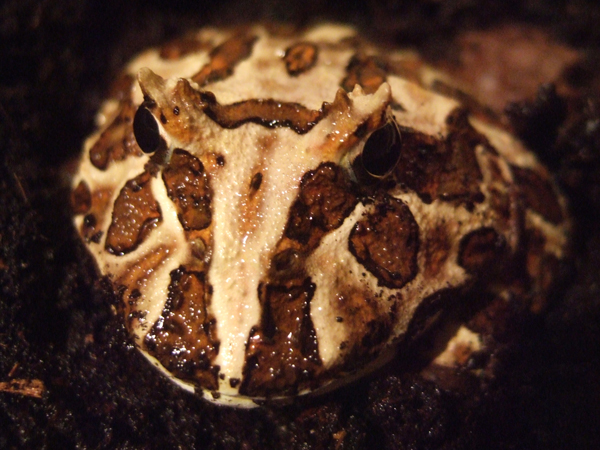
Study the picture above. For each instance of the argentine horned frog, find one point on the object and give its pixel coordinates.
(275, 211)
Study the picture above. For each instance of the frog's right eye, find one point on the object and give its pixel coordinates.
(381, 152)
(145, 130)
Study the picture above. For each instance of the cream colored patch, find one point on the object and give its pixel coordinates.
(459, 348)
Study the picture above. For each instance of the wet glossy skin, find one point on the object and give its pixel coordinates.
(277, 211)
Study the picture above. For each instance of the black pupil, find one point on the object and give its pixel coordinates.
(145, 130)
(382, 150)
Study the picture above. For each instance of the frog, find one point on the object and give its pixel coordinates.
(278, 211)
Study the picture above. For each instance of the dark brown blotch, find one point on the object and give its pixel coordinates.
(269, 112)
(89, 221)
(368, 322)
(287, 266)
(136, 212)
(282, 354)
(256, 181)
(134, 295)
(99, 207)
(468, 101)
(184, 338)
(376, 333)
(538, 194)
(386, 242)
(88, 229)
(224, 58)
(120, 89)
(369, 72)
(199, 249)
(81, 198)
(443, 169)
(96, 237)
(436, 249)
(180, 47)
(117, 142)
(188, 187)
(544, 269)
(300, 57)
(481, 249)
(266, 112)
(325, 199)
(134, 277)
(432, 309)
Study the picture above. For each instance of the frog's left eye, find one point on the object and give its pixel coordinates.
(145, 130)
(381, 152)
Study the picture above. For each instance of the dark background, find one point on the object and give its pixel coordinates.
(56, 61)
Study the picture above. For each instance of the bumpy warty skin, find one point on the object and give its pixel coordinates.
(232, 197)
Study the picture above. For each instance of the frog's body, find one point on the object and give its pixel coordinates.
(259, 248)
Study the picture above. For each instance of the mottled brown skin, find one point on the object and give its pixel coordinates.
(468, 101)
(300, 57)
(538, 194)
(89, 228)
(431, 309)
(325, 200)
(224, 58)
(135, 213)
(93, 205)
(282, 354)
(120, 89)
(267, 112)
(436, 247)
(187, 185)
(480, 249)
(367, 71)
(132, 280)
(386, 242)
(445, 169)
(543, 269)
(81, 198)
(81, 203)
(370, 326)
(180, 47)
(117, 142)
(184, 338)
(501, 199)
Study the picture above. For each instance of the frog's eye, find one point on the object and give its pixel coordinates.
(145, 130)
(381, 152)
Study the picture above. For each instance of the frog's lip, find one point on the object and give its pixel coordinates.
(342, 378)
